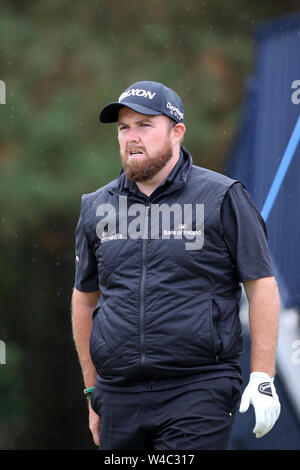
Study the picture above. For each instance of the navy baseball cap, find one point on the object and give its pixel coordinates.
(150, 98)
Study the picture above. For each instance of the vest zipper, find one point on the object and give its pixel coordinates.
(142, 287)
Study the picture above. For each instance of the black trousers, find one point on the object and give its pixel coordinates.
(196, 416)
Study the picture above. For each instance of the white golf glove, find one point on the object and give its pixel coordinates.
(260, 392)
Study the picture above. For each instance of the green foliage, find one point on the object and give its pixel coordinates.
(61, 66)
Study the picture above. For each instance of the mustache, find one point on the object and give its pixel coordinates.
(131, 147)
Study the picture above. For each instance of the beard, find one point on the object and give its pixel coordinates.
(146, 167)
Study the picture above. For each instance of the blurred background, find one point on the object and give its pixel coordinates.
(236, 66)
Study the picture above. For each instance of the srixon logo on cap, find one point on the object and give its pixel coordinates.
(137, 92)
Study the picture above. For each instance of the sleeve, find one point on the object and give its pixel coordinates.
(245, 234)
(86, 270)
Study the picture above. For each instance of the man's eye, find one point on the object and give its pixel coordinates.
(145, 125)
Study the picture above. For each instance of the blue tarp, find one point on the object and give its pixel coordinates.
(270, 114)
(269, 117)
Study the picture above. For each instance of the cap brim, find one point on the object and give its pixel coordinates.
(110, 112)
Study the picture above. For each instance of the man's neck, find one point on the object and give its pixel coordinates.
(147, 187)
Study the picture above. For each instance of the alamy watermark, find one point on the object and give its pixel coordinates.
(2, 352)
(296, 354)
(2, 92)
(165, 222)
(295, 97)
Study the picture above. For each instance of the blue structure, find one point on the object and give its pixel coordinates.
(266, 158)
(271, 112)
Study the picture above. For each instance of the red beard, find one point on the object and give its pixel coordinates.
(145, 167)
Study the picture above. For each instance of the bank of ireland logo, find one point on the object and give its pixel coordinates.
(158, 221)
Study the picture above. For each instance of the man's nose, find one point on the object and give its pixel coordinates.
(133, 135)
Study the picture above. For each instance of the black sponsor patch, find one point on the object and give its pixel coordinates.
(265, 388)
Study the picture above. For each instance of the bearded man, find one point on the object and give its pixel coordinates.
(161, 252)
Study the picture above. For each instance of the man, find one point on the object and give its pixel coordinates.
(161, 252)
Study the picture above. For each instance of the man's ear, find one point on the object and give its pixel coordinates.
(179, 131)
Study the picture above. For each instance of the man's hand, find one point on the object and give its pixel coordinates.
(260, 392)
(94, 425)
